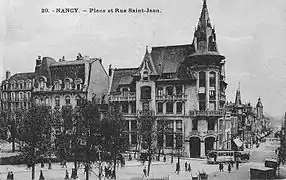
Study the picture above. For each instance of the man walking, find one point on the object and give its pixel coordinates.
(237, 165)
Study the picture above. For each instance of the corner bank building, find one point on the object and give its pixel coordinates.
(184, 85)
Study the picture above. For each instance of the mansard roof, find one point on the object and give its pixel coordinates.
(22, 76)
(122, 77)
(167, 59)
(67, 63)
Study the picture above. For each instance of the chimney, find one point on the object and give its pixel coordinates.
(8, 74)
(38, 61)
(63, 59)
(100, 60)
(110, 70)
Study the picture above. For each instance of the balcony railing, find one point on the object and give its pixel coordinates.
(173, 97)
(202, 133)
(218, 113)
(126, 97)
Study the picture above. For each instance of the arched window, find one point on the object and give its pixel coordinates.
(146, 92)
(68, 82)
(47, 101)
(37, 100)
(13, 96)
(78, 83)
(28, 95)
(57, 101)
(4, 95)
(212, 79)
(68, 100)
(77, 100)
(28, 84)
(21, 96)
(57, 85)
(202, 79)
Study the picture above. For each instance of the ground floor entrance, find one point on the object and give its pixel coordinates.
(195, 147)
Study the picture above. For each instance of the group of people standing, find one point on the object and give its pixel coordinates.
(230, 165)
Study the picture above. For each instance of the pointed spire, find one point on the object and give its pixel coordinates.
(237, 102)
(147, 49)
(205, 4)
(259, 103)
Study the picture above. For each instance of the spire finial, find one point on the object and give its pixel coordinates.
(205, 3)
(147, 49)
(238, 86)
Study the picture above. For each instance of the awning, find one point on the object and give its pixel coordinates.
(238, 142)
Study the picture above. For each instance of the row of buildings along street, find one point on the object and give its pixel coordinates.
(183, 86)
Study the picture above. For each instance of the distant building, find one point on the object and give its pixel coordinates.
(184, 85)
(17, 91)
(65, 83)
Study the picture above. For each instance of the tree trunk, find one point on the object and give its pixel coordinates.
(33, 171)
(86, 172)
(13, 143)
(114, 167)
(159, 154)
(149, 163)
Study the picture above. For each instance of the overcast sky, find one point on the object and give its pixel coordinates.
(251, 34)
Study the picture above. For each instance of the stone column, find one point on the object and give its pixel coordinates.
(129, 134)
(207, 90)
(174, 136)
(186, 147)
(203, 154)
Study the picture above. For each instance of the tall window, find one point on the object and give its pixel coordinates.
(211, 124)
(160, 91)
(212, 79)
(160, 107)
(133, 138)
(179, 107)
(169, 108)
(146, 92)
(179, 141)
(179, 90)
(195, 124)
(21, 96)
(21, 85)
(68, 100)
(202, 79)
(77, 100)
(179, 126)
(170, 90)
(125, 107)
(13, 96)
(212, 94)
(133, 107)
(57, 86)
(67, 84)
(133, 125)
(4, 95)
(169, 140)
(212, 105)
(125, 92)
(202, 105)
(47, 101)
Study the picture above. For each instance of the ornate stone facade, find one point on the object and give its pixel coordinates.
(184, 85)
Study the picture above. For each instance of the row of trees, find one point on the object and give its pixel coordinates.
(80, 135)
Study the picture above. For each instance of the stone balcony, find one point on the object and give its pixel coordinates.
(126, 97)
(182, 97)
(203, 133)
(216, 113)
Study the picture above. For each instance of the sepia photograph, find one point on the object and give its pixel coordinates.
(142, 90)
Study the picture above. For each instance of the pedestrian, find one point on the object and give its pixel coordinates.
(232, 163)
(219, 167)
(172, 160)
(41, 176)
(67, 175)
(64, 164)
(50, 164)
(229, 167)
(222, 167)
(189, 167)
(215, 158)
(177, 168)
(12, 176)
(186, 166)
(9, 176)
(164, 158)
(145, 172)
(130, 157)
(42, 164)
(237, 165)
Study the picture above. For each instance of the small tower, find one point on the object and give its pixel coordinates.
(259, 109)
